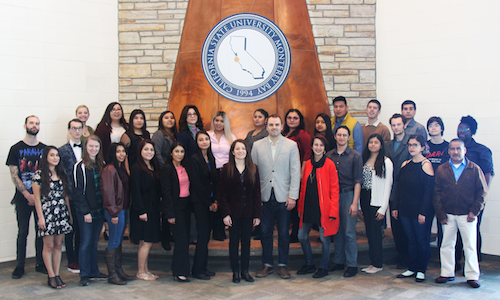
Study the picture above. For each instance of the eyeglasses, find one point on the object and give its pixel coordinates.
(413, 145)
(116, 109)
(191, 114)
(292, 118)
(76, 128)
(463, 129)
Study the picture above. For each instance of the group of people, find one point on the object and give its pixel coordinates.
(184, 178)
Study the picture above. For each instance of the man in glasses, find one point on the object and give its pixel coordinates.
(70, 153)
(343, 118)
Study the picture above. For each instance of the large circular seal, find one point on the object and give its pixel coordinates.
(246, 58)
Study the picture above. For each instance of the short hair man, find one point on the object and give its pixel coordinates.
(349, 167)
(23, 161)
(343, 118)
(459, 197)
(409, 109)
(279, 169)
(374, 125)
(482, 156)
(70, 153)
(397, 150)
(438, 147)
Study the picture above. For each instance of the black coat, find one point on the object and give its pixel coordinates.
(170, 189)
(203, 181)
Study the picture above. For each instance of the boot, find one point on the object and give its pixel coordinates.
(118, 264)
(110, 263)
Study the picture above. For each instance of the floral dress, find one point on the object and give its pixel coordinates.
(54, 209)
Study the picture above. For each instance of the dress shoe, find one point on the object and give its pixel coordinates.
(41, 269)
(264, 272)
(420, 277)
(100, 276)
(334, 267)
(182, 279)
(442, 279)
(406, 274)
(209, 273)
(245, 275)
(236, 277)
(201, 276)
(18, 272)
(320, 273)
(351, 271)
(283, 272)
(306, 269)
(473, 284)
(84, 281)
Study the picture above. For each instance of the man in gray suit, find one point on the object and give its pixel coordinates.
(278, 161)
(397, 150)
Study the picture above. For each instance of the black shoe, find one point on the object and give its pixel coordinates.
(236, 277)
(351, 271)
(185, 279)
(99, 276)
(18, 272)
(201, 276)
(306, 269)
(245, 275)
(257, 237)
(84, 281)
(41, 269)
(105, 235)
(166, 245)
(294, 239)
(209, 273)
(334, 267)
(321, 273)
(125, 238)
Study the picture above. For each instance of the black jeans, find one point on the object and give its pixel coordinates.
(241, 230)
(399, 234)
(72, 239)
(201, 213)
(373, 229)
(180, 259)
(23, 215)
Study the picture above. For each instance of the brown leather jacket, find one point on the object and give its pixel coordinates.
(115, 192)
(459, 197)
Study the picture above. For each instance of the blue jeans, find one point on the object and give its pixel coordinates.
(346, 247)
(116, 231)
(306, 245)
(419, 248)
(274, 211)
(89, 236)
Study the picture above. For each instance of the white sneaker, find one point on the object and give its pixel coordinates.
(367, 268)
(373, 270)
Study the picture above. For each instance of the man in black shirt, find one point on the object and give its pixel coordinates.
(23, 161)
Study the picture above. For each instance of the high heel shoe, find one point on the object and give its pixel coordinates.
(51, 281)
(60, 282)
(179, 279)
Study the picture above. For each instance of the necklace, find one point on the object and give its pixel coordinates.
(251, 7)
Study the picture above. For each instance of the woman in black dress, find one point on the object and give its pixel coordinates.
(145, 192)
(175, 182)
(203, 190)
(133, 136)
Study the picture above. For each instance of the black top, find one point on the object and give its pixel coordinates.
(349, 166)
(186, 138)
(87, 192)
(481, 155)
(145, 191)
(438, 154)
(312, 213)
(204, 182)
(132, 150)
(170, 189)
(414, 194)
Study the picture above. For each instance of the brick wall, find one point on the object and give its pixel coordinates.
(150, 33)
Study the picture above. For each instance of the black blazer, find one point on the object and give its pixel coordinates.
(170, 189)
(188, 141)
(203, 181)
(144, 190)
(239, 199)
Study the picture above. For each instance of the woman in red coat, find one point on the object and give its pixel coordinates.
(318, 205)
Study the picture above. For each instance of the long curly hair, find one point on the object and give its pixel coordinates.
(46, 173)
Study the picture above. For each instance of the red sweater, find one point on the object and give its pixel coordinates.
(328, 191)
(303, 140)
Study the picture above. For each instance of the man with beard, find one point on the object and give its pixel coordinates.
(23, 161)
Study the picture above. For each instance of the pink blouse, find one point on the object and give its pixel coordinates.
(183, 182)
(220, 150)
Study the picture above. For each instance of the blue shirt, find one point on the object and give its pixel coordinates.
(458, 171)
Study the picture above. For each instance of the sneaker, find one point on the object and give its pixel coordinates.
(84, 281)
(74, 268)
(99, 276)
(372, 270)
(18, 272)
(41, 269)
(306, 269)
(420, 277)
(406, 274)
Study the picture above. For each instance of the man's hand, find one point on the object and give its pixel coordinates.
(421, 219)
(353, 210)
(114, 220)
(30, 198)
(471, 217)
(444, 221)
(395, 214)
(228, 221)
(171, 221)
(256, 222)
(87, 218)
(144, 217)
(290, 203)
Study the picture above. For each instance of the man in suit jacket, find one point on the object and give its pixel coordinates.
(279, 169)
(397, 150)
(70, 153)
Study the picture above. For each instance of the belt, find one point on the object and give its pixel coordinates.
(347, 190)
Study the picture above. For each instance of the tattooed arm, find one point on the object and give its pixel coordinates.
(14, 174)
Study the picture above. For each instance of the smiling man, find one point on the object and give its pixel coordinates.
(374, 125)
(343, 118)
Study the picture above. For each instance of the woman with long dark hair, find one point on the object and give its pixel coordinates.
(175, 184)
(259, 122)
(203, 190)
(145, 192)
(240, 205)
(375, 193)
(50, 189)
(89, 208)
(413, 205)
(190, 123)
(112, 126)
(323, 126)
(134, 135)
(318, 205)
(116, 202)
(164, 136)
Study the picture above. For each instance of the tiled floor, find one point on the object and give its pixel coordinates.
(383, 285)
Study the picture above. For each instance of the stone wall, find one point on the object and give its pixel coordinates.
(150, 33)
